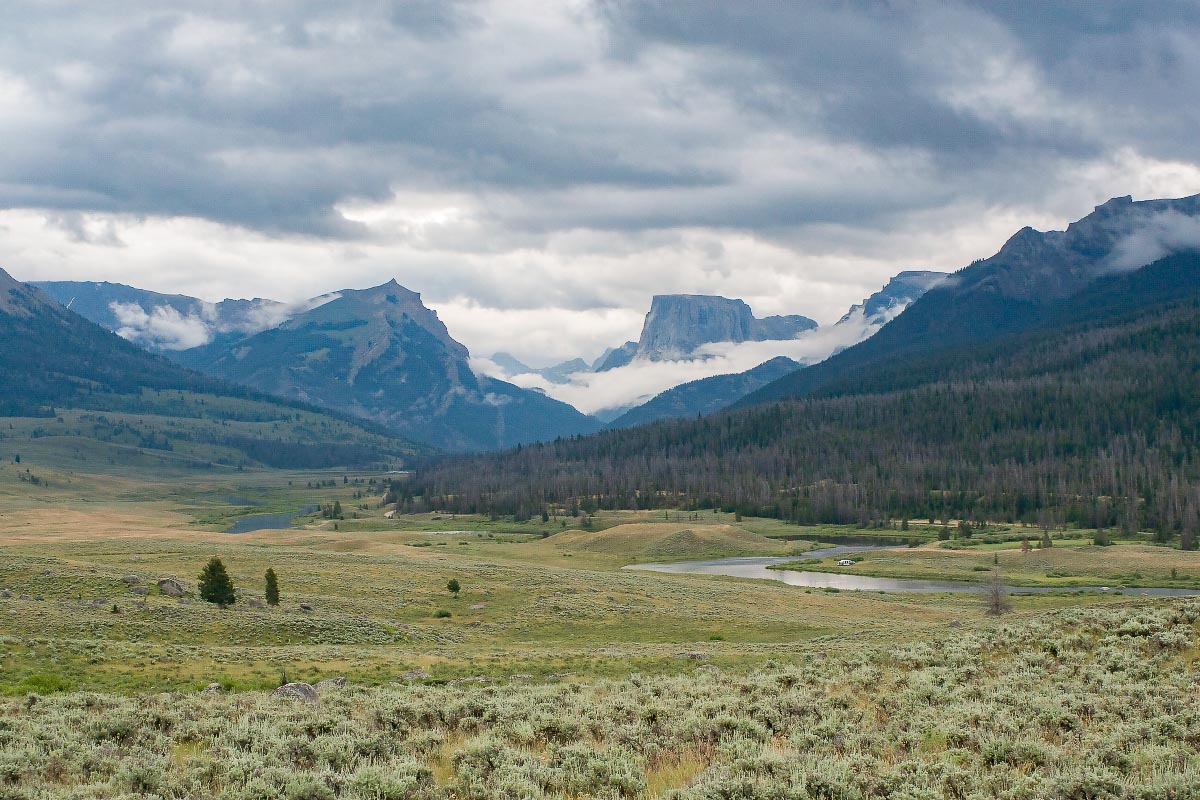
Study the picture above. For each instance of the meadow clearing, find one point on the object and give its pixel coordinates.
(552, 672)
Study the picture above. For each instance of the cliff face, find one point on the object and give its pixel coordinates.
(679, 323)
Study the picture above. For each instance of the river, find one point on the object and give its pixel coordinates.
(756, 567)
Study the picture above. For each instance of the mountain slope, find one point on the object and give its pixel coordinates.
(1089, 416)
(1010, 291)
(706, 395)
(381, 354)
(53, 360)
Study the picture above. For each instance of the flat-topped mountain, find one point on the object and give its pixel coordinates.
(380, 353)
(678, 324)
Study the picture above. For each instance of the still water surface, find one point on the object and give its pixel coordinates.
(756, 567)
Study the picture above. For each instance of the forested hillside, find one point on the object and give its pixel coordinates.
(52, 360)
(1089, 416)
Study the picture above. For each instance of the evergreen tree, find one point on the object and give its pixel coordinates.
(272, 589)
(215, 585)
(453, 586)
(1046, 540)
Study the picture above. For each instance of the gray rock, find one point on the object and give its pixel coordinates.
(100, 602)
(131, 580)
(5, 593)
(306, 608)
(24, 597)
(140, 591)
(170, 587)
(330, 684)
(212, 688)
(297, 691)
(477, 606)
(415, 675)
(257, 603)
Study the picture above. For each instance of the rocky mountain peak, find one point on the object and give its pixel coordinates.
(1038, 266)
(679, 323)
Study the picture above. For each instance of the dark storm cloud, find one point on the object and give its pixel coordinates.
(764, 116)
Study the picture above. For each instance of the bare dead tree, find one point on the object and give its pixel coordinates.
(995, 595)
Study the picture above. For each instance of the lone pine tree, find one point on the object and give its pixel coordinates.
(271, 592)
(215, 585)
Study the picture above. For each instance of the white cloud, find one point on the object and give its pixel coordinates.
(163, 327)
(1159, 236)
(640, 380)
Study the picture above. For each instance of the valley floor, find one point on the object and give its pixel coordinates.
(553, 673)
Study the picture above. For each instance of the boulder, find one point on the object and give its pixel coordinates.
(254, 603)
(100, 602)
(140, 591)
(170, 587)
(297, 691)
(477, 606)
(306, 608)
(131, 580)
(5, 593)
(330, 684)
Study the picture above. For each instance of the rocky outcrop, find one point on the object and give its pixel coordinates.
(297, 691)
(171, 587)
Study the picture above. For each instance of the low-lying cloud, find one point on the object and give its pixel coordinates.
(1159, 236)
(641, 379)
(165, 327)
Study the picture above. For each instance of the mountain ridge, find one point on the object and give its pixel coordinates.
(1001, 294)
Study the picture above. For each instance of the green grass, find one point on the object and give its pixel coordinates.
(596, 681)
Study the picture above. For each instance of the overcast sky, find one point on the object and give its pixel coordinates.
(538, 170)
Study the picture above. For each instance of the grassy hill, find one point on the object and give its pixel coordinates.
(658, 541)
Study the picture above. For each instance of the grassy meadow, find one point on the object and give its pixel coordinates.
(554, 673)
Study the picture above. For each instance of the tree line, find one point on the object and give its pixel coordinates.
(1096, 425)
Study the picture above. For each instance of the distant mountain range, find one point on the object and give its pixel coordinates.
(381, 354)
(148, 409)
(1056, 380)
